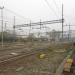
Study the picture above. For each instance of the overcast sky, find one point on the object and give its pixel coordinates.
(38, 9)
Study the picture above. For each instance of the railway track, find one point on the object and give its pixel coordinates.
(9, 57)
(8, 52)
(11, 46)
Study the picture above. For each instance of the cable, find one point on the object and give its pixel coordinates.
(50, 7)
(15, 13)
(56, 5)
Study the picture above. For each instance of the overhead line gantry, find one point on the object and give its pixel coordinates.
(39, 23)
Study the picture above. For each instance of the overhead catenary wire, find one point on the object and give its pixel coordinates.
(56, 5)
(38, 23)
(46, 1)
(16, 14)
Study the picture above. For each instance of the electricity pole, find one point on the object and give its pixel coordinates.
(5, 26)
(14, 30)
(2, 23)
(62, 21)
(69, 32)
(30, 28)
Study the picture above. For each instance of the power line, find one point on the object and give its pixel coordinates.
(16, 13)
(56, 5)
(46, 1)
(38, 23)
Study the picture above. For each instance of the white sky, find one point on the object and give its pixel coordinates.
(38, 9)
